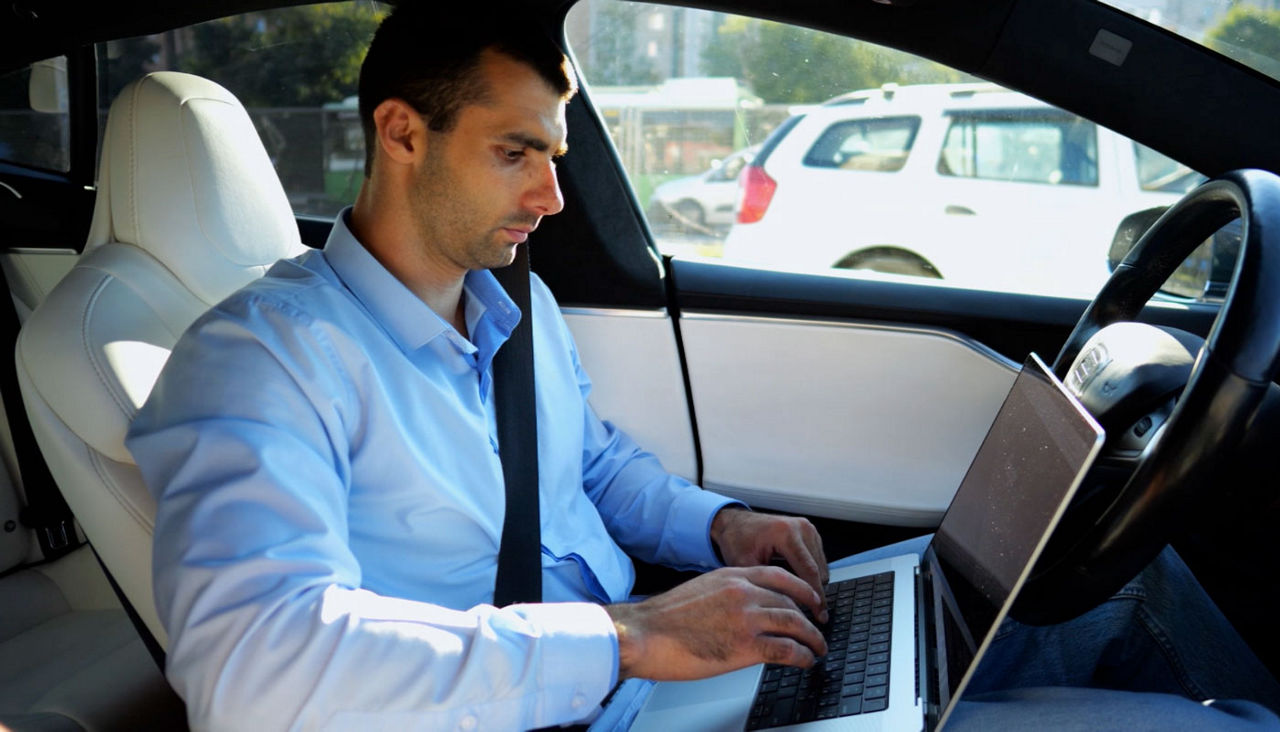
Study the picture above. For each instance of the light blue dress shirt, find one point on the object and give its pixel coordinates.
(323, 451)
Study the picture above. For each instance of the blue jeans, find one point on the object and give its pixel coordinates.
(1158, 655)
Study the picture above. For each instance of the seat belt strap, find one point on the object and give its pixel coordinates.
(46, 512)
(519, 576)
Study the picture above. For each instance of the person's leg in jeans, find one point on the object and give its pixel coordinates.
(1157, 655)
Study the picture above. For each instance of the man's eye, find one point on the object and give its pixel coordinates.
(512, 153)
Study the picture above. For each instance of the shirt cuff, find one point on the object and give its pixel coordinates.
(580, 663)
(690, 525)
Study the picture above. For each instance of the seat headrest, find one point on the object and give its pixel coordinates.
(185, 177)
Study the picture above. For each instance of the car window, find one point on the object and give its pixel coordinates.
(730, 168)
(1009, 146)
(871, 144)
(34, 117)
(1247, 32)
(295, 70)
(1158, 172)
(871, 163)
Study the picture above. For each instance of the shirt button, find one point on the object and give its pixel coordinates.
(578, 701)
(468, 722)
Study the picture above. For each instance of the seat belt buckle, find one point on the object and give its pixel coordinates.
(57, 536)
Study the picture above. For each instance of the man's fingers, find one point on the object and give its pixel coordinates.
(803, 564)
(776, 649)
(791, 624)
(809, 564)
(814, 542)
(785, 583)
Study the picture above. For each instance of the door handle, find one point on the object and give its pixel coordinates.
(960, 210)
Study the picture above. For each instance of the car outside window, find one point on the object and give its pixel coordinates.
(870, 162)
(34, 118)
(295, 70)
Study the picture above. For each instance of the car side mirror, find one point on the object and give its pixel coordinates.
(1204, 275)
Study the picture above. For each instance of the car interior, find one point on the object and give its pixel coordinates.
(857, 402)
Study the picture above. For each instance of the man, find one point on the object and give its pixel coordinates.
(322, 448)
(330, 497)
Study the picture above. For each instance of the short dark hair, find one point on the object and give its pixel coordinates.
(428, 54)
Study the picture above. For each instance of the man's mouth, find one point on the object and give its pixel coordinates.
(519, 233)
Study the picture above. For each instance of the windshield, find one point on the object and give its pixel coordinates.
(1245, 30)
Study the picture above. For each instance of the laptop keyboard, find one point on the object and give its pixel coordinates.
(853, 678)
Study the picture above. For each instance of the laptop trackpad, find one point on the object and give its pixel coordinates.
(718, 703)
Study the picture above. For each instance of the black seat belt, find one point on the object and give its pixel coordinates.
(46, 511)
(520, 555)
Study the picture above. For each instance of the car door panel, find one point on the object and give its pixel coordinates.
(633, 360)
(854, 421)
(860, 399)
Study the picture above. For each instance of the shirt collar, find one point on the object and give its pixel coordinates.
(407, 318)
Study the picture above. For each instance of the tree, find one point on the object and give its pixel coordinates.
(301, 56)
(284, 65)
(615, 59)
(127, 59)
(788, 64)
(1251, 36)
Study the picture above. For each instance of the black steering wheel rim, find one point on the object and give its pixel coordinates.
(1090, 557)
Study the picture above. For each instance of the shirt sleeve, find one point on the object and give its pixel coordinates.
(655, 516)
(243, 443)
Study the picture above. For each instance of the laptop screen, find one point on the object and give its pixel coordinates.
(1033, 457)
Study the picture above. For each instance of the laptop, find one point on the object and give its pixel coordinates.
(906, 633)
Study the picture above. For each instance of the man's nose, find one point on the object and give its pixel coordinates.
(545, 197)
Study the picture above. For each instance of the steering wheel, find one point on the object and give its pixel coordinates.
(1106, 538)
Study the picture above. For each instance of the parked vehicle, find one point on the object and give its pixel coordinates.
(702, 203)
(968, 183)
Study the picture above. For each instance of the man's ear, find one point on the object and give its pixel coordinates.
(401, 131)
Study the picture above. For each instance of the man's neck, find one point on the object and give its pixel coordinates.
(392, 243)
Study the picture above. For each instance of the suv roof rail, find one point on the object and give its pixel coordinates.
(887, 91)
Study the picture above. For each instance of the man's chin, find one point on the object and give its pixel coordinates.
(504, 259)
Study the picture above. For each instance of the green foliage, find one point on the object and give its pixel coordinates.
(787, 64)
(1249, 35)
(127, 59)
(614, 57)
(302, 56)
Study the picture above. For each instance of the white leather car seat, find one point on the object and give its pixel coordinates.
(188, 209)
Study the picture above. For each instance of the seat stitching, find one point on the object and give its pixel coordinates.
(125, 407)
(133, 160)
(122, 498)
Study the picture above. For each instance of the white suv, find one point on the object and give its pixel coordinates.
(971, 183)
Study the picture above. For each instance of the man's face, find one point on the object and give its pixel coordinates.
(486, 183)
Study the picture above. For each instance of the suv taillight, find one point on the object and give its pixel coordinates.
(755, 190)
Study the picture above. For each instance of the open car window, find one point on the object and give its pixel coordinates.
(867, 161)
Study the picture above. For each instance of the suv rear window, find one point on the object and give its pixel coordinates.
(865, 144)
(1025, 147)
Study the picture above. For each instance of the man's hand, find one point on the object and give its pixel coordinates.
(718, 622)
(747, 539)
